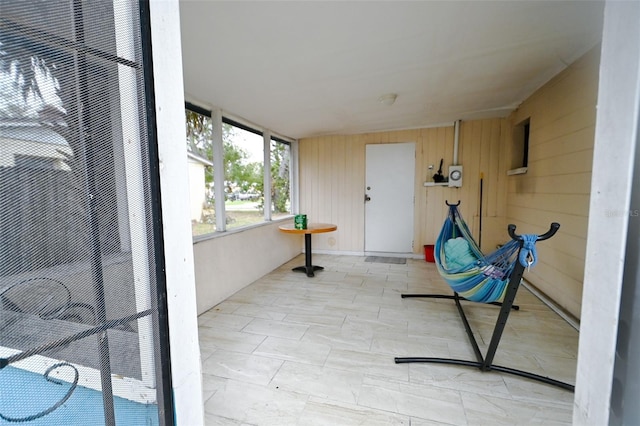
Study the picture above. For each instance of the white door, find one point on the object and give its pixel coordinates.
(390, 177)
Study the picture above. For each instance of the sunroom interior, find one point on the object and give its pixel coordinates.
(517, 71)
(131, 292)
(470, 81)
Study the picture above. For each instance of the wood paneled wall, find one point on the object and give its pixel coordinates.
(557, 184)
(332, 182)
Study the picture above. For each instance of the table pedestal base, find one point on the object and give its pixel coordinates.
(308, 269)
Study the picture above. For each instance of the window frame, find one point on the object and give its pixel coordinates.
(218, 118)
(520, 148)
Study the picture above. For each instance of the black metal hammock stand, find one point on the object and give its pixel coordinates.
(511, 282)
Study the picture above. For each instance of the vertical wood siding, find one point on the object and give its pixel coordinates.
(557, 184)
(332, 182)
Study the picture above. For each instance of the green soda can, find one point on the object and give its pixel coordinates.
(300, 221)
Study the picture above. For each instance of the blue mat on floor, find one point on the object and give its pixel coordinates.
(23, 393)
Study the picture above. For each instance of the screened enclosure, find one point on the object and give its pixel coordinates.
(82, 319)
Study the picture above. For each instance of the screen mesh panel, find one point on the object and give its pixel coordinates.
(79, 321)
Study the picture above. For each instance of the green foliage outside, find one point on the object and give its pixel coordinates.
(241, 176)
(280, 182)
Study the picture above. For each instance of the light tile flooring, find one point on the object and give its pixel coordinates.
(292, 350)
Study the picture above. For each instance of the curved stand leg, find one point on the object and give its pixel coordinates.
(452, 297)
(493, 367)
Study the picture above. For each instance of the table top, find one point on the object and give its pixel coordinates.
(312, 228)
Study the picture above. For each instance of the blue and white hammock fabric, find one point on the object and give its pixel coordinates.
(471, 274)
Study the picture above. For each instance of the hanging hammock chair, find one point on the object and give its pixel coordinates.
(474, 276)
(493, 279)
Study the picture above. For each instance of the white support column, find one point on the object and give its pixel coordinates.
(218, 169)
(174, 181)
(613, 157)
(294, 178)
(121, 185)
(130, 119)
(267, 174)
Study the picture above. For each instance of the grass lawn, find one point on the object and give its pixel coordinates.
(239, 213)
(238, 218)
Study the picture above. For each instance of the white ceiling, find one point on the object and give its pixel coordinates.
(304, 68)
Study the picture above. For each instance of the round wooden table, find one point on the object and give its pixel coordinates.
(312, 228)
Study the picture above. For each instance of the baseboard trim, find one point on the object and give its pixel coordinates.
(573, 321)
(368, 253)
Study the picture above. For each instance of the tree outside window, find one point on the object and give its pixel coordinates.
(243, 185)
(280, 179)
(244, 175)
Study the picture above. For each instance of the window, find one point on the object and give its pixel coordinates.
(242, 189)
(200, 161)
(243, 174)
(280, 178)
(520, 148)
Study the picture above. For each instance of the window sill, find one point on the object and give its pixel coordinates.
(218, 234)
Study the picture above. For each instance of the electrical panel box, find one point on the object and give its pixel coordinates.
(455, 176)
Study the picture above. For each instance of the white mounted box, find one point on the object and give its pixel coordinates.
(455, 176)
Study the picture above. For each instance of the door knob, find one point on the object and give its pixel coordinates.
(367, 198)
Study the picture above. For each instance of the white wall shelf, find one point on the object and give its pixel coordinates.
(518, 171)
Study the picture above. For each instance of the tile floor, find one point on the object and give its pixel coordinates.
(292, 350)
